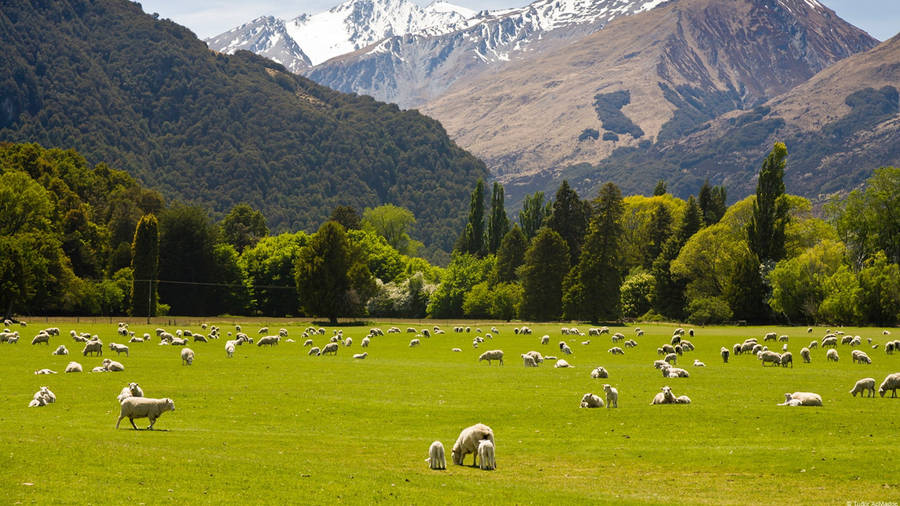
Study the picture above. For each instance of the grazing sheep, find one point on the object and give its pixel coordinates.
(590, 400)
(144, 407)
(187, 356)
(561, 364)
(468, 441)
(364, 343)
(308, 342)
(563, 347)
(130, 390)
(45, 371)
(769, 357)
(268, 341)
(492, 355)
(229, 349)
(891, 382)
(112, 365)
(330, 348)
(74, 367)
(813, 344)
(200, 338)
(348, 342)
(806, 398)
(414, 342)
(612, 396)
(599, 372)
(664, 397)
(832, 355)
(829, 341)
(860, 357)
(667, 348)
(804, 353)
(862, 386)
(528, 360)
(770, 336)
(314, 351)
(544, 339)
(618, 336)
(787, 358)
(782, 338)
(631, 343)
(538, 358)
(676, 339)
(263, 330)
(61, 350)
(361, 356)
(615, 350)
(724, 352)
(486, 455)
(119, 348)
(671, 358)
(698, 363)
(736, 349)
(41, 338)
(436, 458)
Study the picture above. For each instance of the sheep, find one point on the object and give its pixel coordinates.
(348, 342)
(770, 336)
(456, 350)
(144, 407)
(668, 348)
(691, 332)
(282, 333)
(671, 358)
(612, 396)
(436, 458)
(617, 337)
(528, 360)
(682, 399)
(563, 347)
(119, 348)
(615, 350)
(585, 343)
(136, 340)
(676, 339)
(769, 357)
(360, 356)
(538, 358)
(41, 338)
(679, 331)
(832, 355)
(675, 372)
(468, 442)
(36, 403)
(591, 401)
(427, 334)
(330, 348)
(724, 352)
(804, 353)
(698, 363)
(364, 343)
(599, 372)
(263, 330)
(891, 382)
(679, 349)
(829, 341)
(187, 356)
(99, 368)
(806, 398)
(178, 341)
(268, 341)
(787, 358)
(561, 364)
(229, 349)
(130, 390)
(414, 342)
(45, 371)
(309, 342)
(758, 348)
(112, 365)
(631, 343)
(411, 330)
(664, 397)
(862, 386)
(486, 455)
(314, 351)
(782, 338)
(813, 344)
(789, 401)
(492, 355)
(61, 350)
(736, 349)
(860, 357)
(889, 347)
(784, 348)
(49, 397)
(200, 338)
(74, 367)
(545, 339)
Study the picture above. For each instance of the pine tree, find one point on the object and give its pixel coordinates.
(660, 231)
(765, 232)
(498, 225)
(546, 263)
(692, 221)
(712, 203)
(145, 265)
(510, 255)
(534, 214)
(591, 289)
(570, 218)
(660, 188)
(472, 240)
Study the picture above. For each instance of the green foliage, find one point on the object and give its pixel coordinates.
(394, 224)
(712, 202)
(636, 294)
(385, 262)
(464, 272)
(186, 262)
(507, 297)
(569, 218)
(608, 107)
(541, 275)
(243, 226)
(660, 188)
(408, 298)
(347, 216)
(706, 310)
(798, 284)
(477, 301)
(534, 214)
(868, 221)
(269, 266)
(145, 267)
(765, 231)
(510, 255)
(842, 302)
(472, 239)
(647, 223)
(498, 225)
(332, 279)
(230, 293)
(879, 299)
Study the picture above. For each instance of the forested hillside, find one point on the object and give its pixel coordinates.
(145, 95)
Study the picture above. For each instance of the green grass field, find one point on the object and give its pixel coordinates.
(272, 425)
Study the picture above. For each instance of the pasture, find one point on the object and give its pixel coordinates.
(273, 425)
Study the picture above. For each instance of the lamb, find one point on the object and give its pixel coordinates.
(599, 372)
(348, 342)
(41, 338)
(112, 365)
(119, 348)
(675, 372)
(314, 351)
(268, 341)
(862, 386)
(528, 360)
(492, 355)
(664, 397)
(364, 343)
(591, 401)
(49, 397)
(832, 355)
(806, 398)
(144, 407)
(804, 353)
(99, 368)
(545, 339)
(436, 458)
(769, 357)
(468, 442)
(456, 350)
(74, 367)
(724, 352)
(891, 382)
(360, 356)
(130, 390)
(789, 401)
(45, 371)
(612, 396)
(61, 350)
(561, 364)
(698, 363)
(787, 358)
(486, 455)
(229, 349)
(413, 343)
(615, 350)
(682, 399)
(187, 356)
(565, 348)
(330, 348)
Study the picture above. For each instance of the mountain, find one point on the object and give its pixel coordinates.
(312, 39)
(643, 79)
(147, 96)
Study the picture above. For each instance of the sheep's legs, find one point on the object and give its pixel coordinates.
(132, 423)
(152, 421)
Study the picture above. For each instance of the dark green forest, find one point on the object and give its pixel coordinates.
(146, 96)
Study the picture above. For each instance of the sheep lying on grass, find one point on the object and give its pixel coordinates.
(486, 455)
(468, 441)
(112, 365)
(862, 386)
(74, 367)
(61, 350)
(42, 397)
(891, 382)
(360, 356)
(805, 398)
(599, 372)
(144, 407)
(590, 400)
(436, 458)
(45, 371)
(664, 397)
(561, 364)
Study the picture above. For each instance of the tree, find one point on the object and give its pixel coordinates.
(394, 223)
(332, 281)
(798, 284)
(643, 225)
(546, 263)
(464, 272)
(145, 267)
(712, 202)
(636, 294)
(347, 216)
(868, 221)
(534, 214)
(660, 188)
(243, 226)
(669, 290)
(269, 268)
(765, 232)
(660, 231)
(570, 218)
(842, 302)
(472, 239)
(510, 255)
(692, 221)
(498, 225)
(186, 262)
(880, 295)
(591, 289)
(506, 300)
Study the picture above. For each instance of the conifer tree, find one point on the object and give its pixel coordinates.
(570, 218)
(145, 265)
(510, 255)
(546, 263)
(534, 214)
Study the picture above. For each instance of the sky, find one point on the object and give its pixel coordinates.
(881, 18)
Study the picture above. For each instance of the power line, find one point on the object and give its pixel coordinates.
(204, 283)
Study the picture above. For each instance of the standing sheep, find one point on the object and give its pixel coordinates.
(612, 396)
(119, 348)
(804, 353)
(187, 356)
(787, 358)
(268, 341)
(891, 382)
(364, 343)
(832, 355)
(314, 351)
(590, 400)
(330, 348)
(864, 385)
(414, 342)
(348, 342)
(724, 352)
(144, 407)
(92, 347)
(436, 458)
(486, 455)
(528, 360)
(42, 337)
(492, 355)
(229, 349)
(468, 441)
(544, 339)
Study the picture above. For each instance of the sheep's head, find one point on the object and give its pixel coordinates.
(787, 397)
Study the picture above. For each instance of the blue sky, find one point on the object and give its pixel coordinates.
(881, 18)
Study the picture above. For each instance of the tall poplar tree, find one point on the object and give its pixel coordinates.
(534, 214)
(472, 239)
(145, 265)
(765, 232)
(498, 225)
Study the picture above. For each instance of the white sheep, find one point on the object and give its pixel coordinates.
(861, 357)
(456, 350)
(42, 337)
(787, 358)
(314, 351)
(486, 455)
(698, 363)
(615, 350)
(330, 348)
(724, 352)
(561, 364)
(528, 360)
(664, 397)
(436, 458)
(364, 343)
(144, 407)
(74, 367)
(769, 357)
(682, 399)
(119, 348)
(200, 338)
(804, 353)
(674, 372)
(806, 398)
(45, 371)
(538, 358)
(414, 342)
(599, 372)
(790, 401)
(45, 393)
(492, 355)
(361, 356)
(229, 349)
(92, 347)
(590, 400)
(348, 342)
(468, 442)
(268, 341)
(832, 355)
(112, 365)
(545, 339)
(187, 356)
(671, 358)
(891, 382)
(563, 347)
(61, 350)
(130, 390)
(864, 385)
(612, 396)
